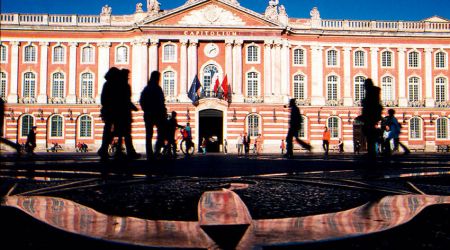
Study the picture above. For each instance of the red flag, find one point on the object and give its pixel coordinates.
(216, 85)
(225, 87)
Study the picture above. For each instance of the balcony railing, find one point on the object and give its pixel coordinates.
(27, 100)
(253, 99)
(334, 102)
(442, 104)
(56, 100)
(86, 100)
(303, 102)
(416, 104)
(389, 103)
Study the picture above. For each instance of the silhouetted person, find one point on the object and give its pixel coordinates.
(123, 117)
(108, 100)
(30, 145)
(326, 140)
(295, 122)
(155, 113)
(246, 142)
(356, 146)
(172, 127)
(341, 146)
(371, 115)
(395, 127)
(2, 118)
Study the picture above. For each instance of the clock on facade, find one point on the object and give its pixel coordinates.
(211, 50)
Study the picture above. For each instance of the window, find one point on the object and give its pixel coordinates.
(360, 58)
(252, 54)
(29, 85)
(332, 88)
(299, 87)
(30, 54)
(299, 56)
(85, 126)
(169, 53)
(208, 75)
(332, 58)
(122, 54)
(413, 89)
(27, 124)
(87, 82)
(360, 92)
(333, 127)
(441, 89)
(442, 128)
(3, 53)
(58, 85)
(386, 59)
(56, 126)
(3, 81)
(58, 54)
(252, 84)
(413, 59)
(169, 83)
(87, 55)
(253, 125)
(415, 128)
(387, 88)
(303, 126)
(440, 60)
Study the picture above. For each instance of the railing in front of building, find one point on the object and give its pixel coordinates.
(253, 99)
(86, 100)
(27, 100)
(442, 104)
(303, 102)
(56, 100)
(339, 102)
(389, 103)
(416, 104)
(97, 20)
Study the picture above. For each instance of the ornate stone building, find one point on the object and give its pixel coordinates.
(53, 66)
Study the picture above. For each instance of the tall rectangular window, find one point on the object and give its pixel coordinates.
(386, 59)
(413, 59)
(440, 60)
(332, 58)
(87, 55)
(3, 53)
(299, 87)
(360, 59)
(252, 54)
(252, 84)
(58, 54)
(299, 57)
(30, 54)
(169, 53)
(332, 88)
(413, 89)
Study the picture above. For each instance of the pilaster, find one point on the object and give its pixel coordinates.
(71, 97)
(42, 97)
(429, 100)
(402, 100)
(348, 100)
(317, 96)
(14, 81)
(237, 71)
(103, 67)
(183, 70)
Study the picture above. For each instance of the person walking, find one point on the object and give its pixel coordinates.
(246, 142)
(395, 127)
(172, 127)
(155, 113)
(326, 141)
(30, 145)
(282, 147)
(259, 144)
(225, 146)
(371, 115)
(240, 144)
(203, 145)
(295, 122)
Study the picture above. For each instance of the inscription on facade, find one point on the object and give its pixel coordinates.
(210, 33)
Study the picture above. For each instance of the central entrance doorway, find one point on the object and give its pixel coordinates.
(211, 128)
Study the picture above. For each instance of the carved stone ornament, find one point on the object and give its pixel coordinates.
(211, 15)
(106, 10)
(315, 14)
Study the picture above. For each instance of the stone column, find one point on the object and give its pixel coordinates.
(237, 71)
(192, 59)
(277, 83)
(14, 80)
(183, 71)
(429, 100)
(153, 55)
(139, 65)
(374, 65)
(285, 71)
(72, 97)
(103, 67)
(402, 100)
(348, 100)
(229, 60)
(268, 69)
(42, 97)
(317, 96)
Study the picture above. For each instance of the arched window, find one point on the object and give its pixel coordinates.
(30, 54)
(442, 128)
(415, 128)
(386, 59)
(26, 125)
(169, 84)
(332, 59)
(210, 72)
(3, 81)
(360, 92)
(441, 89)
(299, 56)
(333, 127)
(87, 83)
(252, 54)
(252, 84)
(85, 126)
(3, 53)
(56, 126)
(169, 53)
(87, 54)
(413, 59)
(387, 88)
(299, 87)
(58, 85)
(413, 89)
(122, 54)
(360, 58)
(332, 88)
(253, 125)
(29, 85)
(441, 60)
(58, 54)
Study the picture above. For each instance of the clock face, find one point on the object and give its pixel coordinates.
(211, 50)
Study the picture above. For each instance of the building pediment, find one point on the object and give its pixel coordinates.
(210, 13)
(436, 19)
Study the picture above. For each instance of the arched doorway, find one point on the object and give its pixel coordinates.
(211, 128)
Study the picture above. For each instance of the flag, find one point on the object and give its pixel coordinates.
(216, 85)
(193, 91)
(225, 87)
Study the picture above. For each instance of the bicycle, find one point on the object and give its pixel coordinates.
(186, 144)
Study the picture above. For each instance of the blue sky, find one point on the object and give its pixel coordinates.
(329, 9)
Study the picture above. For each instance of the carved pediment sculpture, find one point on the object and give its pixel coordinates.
(211, 15)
